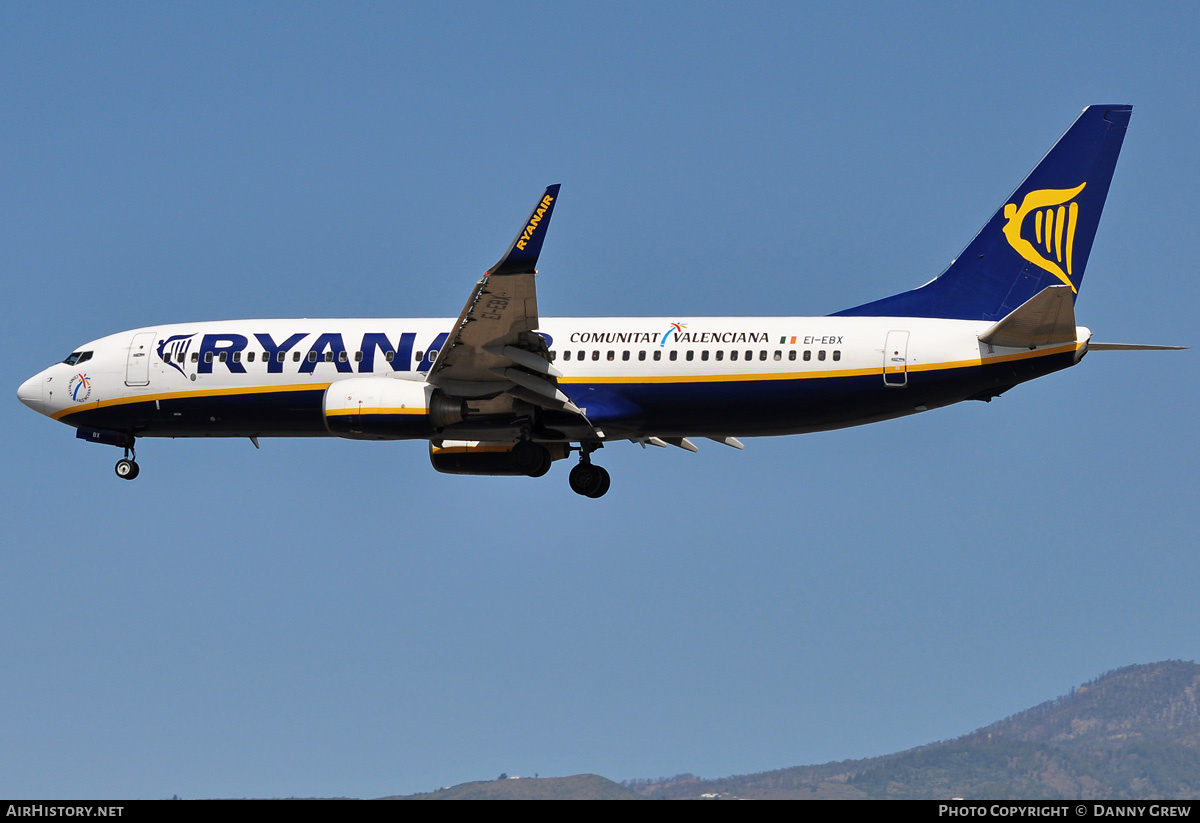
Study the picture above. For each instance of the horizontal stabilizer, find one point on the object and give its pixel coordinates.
(1046, 319)
(1132, 347)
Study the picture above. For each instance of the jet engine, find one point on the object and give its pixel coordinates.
(378, 408)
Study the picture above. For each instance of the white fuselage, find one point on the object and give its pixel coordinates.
(634, 377)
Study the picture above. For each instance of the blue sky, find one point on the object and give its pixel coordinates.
(335, 618)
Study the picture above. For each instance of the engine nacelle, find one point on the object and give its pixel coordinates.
(378, 408)
(481, 457)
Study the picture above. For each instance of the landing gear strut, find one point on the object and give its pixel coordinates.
(127, 467)
(586, 478)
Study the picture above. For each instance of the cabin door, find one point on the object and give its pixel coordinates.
(137, 365)
(895, 359)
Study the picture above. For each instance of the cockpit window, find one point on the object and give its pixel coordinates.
(77, 357)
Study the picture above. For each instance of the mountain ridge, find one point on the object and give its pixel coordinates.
(1131, 733)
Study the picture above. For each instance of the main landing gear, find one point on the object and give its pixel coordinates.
(127, 467)
(531, 459)
(586, 478)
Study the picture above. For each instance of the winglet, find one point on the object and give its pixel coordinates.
(522, 255)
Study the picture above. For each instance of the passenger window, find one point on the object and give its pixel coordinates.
(237, 357)
(295, 356)
(749, 354)
(807, 354)
(328, 357)
(596, 354)
(658, 354)
(733, 355)
(552, 354)
(612, 355)
(342, 357)
(778, 354)
(419, 356)
(312, 357)
(208, 357)
(642, 354)
(579, 355)
(358, 356)
(704, 355)
(224, 356)
(625, 355)
(179, 358)
(762, 355)
(837, 354)
(249, 357)
(567, 355)
(821, 354)
(720, 354)
(432, 354)
(196, 357)
(674, 354)
(792, 354)
(690, 354)
(389, 356)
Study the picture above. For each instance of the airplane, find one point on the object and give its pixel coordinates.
(502, 391)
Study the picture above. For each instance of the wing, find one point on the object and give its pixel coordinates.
(494, 347)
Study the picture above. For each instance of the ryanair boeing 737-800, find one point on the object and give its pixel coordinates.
(502, 391)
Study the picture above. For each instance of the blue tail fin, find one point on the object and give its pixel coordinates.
(1040, 237)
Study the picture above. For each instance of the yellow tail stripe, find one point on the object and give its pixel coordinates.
(1071, 233)
(1060, 222)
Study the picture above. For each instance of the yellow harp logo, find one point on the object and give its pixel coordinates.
(1055, 214)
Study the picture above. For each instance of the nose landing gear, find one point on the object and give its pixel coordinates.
(127, 467)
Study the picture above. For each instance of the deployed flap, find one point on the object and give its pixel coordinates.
(1046, 319)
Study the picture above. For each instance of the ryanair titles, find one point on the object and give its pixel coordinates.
(674, 334)
(301, 352)
(534, 220)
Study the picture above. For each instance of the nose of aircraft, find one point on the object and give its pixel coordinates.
(30, 393)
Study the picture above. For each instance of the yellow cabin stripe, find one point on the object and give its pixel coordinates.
(372, 410)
